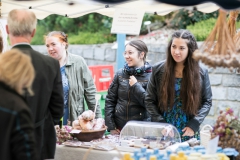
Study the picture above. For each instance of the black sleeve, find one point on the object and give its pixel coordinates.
(151, 98)
(206, 105)
(22, 138)
(139, 93)
(56, 101)
(110, 103)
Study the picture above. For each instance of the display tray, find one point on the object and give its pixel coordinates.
(107, 143)
(128, 149)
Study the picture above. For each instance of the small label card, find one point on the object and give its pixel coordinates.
(75, 131)
(127, 21)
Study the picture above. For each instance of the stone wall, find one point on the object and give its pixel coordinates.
(225, 84)
(93, 54)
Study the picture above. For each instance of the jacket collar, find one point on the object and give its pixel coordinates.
(70, 60)
(9, 89)
(22, 45)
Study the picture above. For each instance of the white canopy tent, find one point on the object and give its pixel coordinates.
(77, 8)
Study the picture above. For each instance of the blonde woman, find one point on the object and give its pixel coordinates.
(16, 77)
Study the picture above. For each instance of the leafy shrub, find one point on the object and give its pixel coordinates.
(184, 17)
(91, 38)
(79, 38)
(38, 39)
(202, 29)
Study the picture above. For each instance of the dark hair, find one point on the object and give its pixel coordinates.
(61, 35)
(190, 93)
(140, 46)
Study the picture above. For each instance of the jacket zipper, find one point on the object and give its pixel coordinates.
(128, 103)
(129, 93)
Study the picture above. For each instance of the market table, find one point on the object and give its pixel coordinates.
(77, 153)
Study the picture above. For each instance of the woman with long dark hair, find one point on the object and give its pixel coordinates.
(179, 90)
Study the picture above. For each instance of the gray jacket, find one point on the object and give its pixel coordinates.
(81, 86)
(152, 94)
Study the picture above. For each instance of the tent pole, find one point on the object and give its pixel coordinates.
(120, 50)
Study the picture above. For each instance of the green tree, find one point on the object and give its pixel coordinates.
(93, 22)
(202, 29)
(157, 22)
(95, 26)
(183, 17)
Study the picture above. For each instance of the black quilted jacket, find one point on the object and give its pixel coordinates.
(124, 103)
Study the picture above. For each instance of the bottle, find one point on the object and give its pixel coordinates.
(203, 151)
(196, 154)
(143, 149)
(196, 148)
(181, 156)
(222, 156)
(138, 156)
(127, 156)
(193, 158)
(148, 155)
(219, 150)
(135, 153)
(230, 152)
(160, 156)
(173, 157)
(153, 157)
(169, 152)
(156, 151)
(210, 157)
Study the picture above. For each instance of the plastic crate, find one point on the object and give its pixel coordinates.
(102, 76)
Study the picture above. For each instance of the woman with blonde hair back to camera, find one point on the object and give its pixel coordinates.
(16, 77)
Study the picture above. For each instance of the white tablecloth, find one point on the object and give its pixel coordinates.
(76, 153)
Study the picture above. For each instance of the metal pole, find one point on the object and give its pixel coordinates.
(120, 50)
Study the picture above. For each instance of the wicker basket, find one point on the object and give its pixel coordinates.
(205, 135)
(87, 136)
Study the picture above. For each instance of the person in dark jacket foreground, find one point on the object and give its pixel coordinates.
(179, 90)
(17, 135)
(47, 103)
(125, 98)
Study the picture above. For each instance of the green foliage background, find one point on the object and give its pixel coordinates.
(89, 29)
(202, 29)
(183, 17)
(95, 28)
